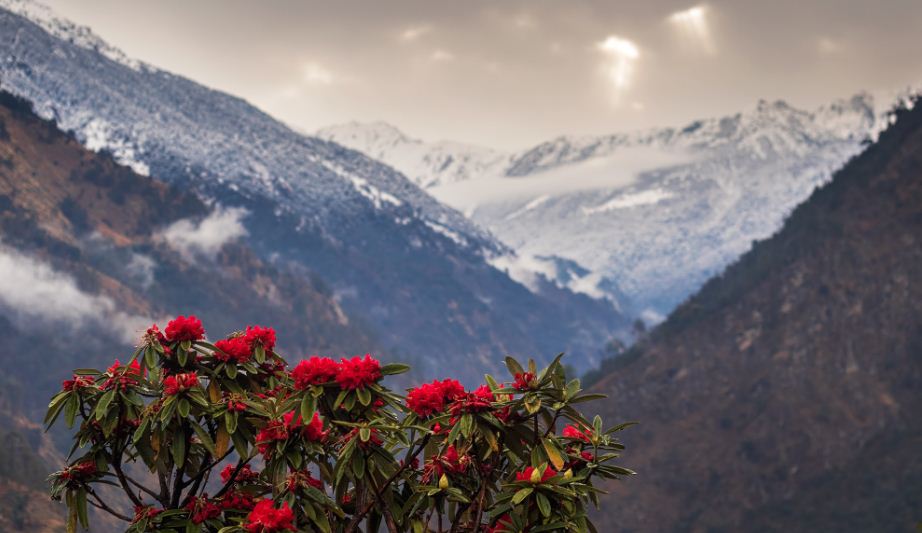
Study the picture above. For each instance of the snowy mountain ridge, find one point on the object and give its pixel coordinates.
(650, 213)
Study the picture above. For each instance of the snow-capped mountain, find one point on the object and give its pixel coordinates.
(411, 266)
(650, 214)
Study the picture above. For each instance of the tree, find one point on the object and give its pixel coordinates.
(223, 437)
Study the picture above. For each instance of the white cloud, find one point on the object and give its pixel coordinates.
(32, 289)
(441, 55)
(317, 74)
(206, 236)
(524, 21)
(619, 68)
(826, 46)
(692, 24)
(413, 33)
(141, 267)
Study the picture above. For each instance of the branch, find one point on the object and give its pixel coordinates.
(377, 496)
(99, 504)
(230, 481)
(142, 487)
(117, 466)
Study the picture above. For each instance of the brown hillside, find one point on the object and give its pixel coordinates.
(785, 396)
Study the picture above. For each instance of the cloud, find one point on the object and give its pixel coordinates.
(141, 267)
(32, 289)
(692, 25)
(619, 67)
(317, 74)
(206, 236)
(440, 55)
(827, 46)
(413, 33)
(524, 21)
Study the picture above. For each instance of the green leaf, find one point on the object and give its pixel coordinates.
(588, 398)
(183, 407)
(514, 366)
(81, 509)
(70, 410)
(231, 370)
(182, 356)
(103, 406)
(205, 438)
(230, 420)
(364, 396)
(308, 406)
(521, 494)
(259, 353)
(394, 368)
(364, 434)
(467, 422)
(543, 504)
(150, 357)
(179, 448)
(358, 465)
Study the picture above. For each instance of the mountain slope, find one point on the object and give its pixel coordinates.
(394, 256)
(784, 396)
(657, 212)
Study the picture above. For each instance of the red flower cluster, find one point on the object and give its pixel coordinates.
(572, 432)
(235, 405)
(147, 512)
(122, 378)
(527, 475)
(174, 385)
(524, 381)
(77, 383)
(357, 373)
(449, 462)
(265, 518)
(79, 471)
(234, 348)
(314, 371)
(184, 329)
(302, 479)
(312, 432)
(200, 510)
(478, 401)
(243, 475)
(431, 398)
(276, 430)
(260, 336)
(237, 500)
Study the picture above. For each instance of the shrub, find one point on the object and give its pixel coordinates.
(196, 436)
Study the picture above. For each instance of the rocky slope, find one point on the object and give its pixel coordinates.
(656, 212)
(784, 396)
(412, 268)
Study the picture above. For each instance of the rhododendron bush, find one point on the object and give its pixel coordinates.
(189, 435)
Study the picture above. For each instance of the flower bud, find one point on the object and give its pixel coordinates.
(536, 476)
(568, 475)
(443, 482)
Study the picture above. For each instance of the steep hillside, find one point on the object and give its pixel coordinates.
(86, 253)
(785, 395)
(658, 212)
(413, 268)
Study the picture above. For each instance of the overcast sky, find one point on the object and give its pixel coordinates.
(510, 73)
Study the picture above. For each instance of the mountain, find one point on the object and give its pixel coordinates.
(416, 271)
(649, 215)
(785, 395)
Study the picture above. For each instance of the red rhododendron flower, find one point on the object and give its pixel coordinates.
(174, 385)
(478, 401)
(526, 475)
(244, 474)
(123, 378)
(274, 431)
(449, 462)
(237, 500)
(184, 329)
(312, 432)
(430, 398)
(357, 373)
(234, 348)
(79, 471)
(503, 525)
(260, 336)
(314, 371)
(235, 405)
(200, 510)
(77, 383)
(572, 432)
(265, 518)
(523, 381)
(147, 512)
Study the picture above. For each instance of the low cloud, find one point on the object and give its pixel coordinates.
(206, 236)
(413, 33)
(31, 289)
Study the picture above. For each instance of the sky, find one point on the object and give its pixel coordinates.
(511, 73)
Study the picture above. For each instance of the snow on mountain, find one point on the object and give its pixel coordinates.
(395, 256)
(646, 215)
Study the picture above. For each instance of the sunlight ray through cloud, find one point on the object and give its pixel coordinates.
(622, 54)
(692, 25)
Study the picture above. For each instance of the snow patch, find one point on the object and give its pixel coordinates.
(627, 200)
